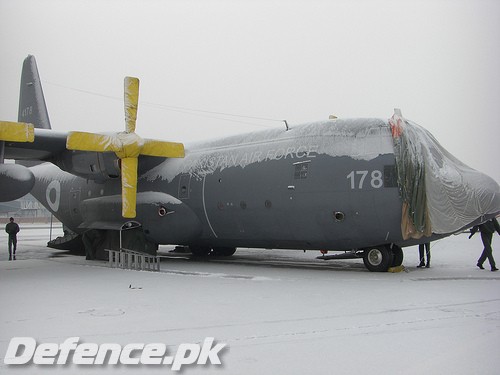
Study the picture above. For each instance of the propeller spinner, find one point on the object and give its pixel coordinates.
(127, 146)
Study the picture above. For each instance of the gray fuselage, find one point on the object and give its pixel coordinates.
(327, 185)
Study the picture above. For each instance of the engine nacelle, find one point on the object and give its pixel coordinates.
(98, 166)
(165, 219)
(15, 181)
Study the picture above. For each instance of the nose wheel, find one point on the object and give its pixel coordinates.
(380, 258)
(397, 259)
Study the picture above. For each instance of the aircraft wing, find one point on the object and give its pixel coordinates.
(46, 145)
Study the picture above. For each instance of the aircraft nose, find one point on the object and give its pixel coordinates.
(460, 196)
(486, 197)
(440, 194)
(455, 195)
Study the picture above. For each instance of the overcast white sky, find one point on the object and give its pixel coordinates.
(437, 60)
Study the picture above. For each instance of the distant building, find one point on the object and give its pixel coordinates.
(26, 208)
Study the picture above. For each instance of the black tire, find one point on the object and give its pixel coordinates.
(224, 251)
(200, 251)
(397, 253)
(377, 259)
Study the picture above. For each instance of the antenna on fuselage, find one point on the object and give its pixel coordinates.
(286, 124)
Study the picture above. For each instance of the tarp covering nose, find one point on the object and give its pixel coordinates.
(440, 194)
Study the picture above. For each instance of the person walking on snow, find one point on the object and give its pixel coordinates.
(12, 229)
(487, 229)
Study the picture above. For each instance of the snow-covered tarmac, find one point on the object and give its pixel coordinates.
(280, 312)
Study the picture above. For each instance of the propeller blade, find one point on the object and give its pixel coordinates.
(131, 103)
(129, 187)
(127, 146)
(162, 149)
(16, 132)
(83, 141)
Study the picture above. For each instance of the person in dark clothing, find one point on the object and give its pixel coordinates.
(12, 229)
(487, 229)
(427, 246)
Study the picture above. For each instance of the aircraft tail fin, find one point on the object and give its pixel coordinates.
(32, 108)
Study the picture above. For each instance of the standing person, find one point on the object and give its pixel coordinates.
(427, 246)
(12, 229)
(487, 229)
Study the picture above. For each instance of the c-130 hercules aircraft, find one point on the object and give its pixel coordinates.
(363, 187)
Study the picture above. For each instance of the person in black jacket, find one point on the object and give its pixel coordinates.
(487, 229)
(12, 229)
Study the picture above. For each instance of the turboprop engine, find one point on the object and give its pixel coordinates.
(15, 181)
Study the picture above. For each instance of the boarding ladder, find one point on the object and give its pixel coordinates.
(133, 260)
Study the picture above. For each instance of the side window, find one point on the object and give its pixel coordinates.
(301, 170)
(390, 176)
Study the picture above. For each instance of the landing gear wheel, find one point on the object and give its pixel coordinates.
(378, 259)
(200, 251)
(224, 251)
(397, 256)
